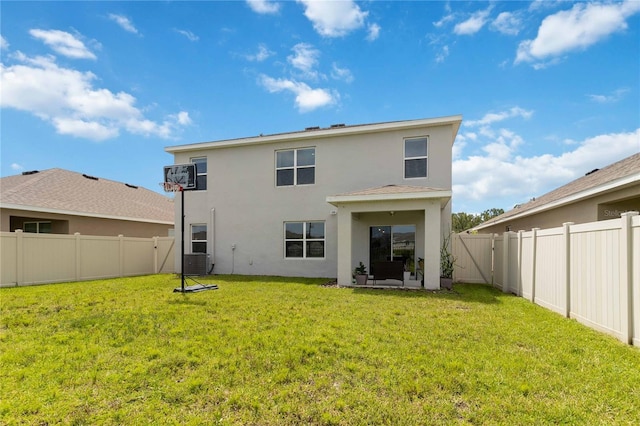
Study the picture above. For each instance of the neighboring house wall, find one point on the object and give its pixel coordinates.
(601, 207)
(243, 208)
(11, 219)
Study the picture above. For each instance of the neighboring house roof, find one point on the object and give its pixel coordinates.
(66, 192)
(615, 176)
(332, 131)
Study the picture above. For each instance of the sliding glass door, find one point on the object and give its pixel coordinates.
(396, 242)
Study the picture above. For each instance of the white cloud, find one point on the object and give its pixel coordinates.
(4, 44)
(16, 166)
(84, 129)
(507, 23)
(473, 24)
(264, 6)
(124, 23)
(459, 146)
(67, 99)
(188, 34)
(334, 18)
(494, 117)
(374, 32)
(504, 178)
(578, 28)
(444, 20)
(63, 43)
(442, 55)
(307, 99)
(343, 74)
(504, 144)
(610, 98)
(182, 118)
(262, 54)
(305, 59)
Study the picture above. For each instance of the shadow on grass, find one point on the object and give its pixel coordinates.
(267, 279)
(472, 293)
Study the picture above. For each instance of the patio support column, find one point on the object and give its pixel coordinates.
(432, 237)
(344, 246)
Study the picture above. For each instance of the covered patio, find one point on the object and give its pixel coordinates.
(391, 223)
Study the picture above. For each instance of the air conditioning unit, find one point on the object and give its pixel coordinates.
(196, 264)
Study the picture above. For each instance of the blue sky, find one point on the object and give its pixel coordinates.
(548, 90)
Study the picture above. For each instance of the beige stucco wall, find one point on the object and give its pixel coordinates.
(592, 209)
(243, 207)
(69, 224)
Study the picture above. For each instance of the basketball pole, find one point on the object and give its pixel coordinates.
(182, 238)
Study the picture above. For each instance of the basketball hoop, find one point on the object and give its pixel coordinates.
(171, 186)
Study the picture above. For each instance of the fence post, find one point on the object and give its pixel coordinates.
(78, 257)
(626, 277)
(493, 254)
(505, 262)
(520, 232)
(534, 248)
(19, 257)
(155, 255)
(121, 256)
(566, 234)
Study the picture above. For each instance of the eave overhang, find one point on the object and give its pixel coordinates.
(454, 120)
(573, 198)
(81, 214)
(400, 194)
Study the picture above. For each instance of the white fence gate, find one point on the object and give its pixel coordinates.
(590, 272)
(48, 258)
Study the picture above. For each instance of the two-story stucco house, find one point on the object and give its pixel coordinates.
(317, 202)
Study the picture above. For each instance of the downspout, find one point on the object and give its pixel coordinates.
(212, 239)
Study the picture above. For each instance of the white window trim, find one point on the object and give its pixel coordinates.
(197, 241)
(304, 240)
(404, 158)
(295, 167)
(37, 223)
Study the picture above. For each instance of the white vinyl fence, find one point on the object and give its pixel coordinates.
(27, 259)
(590, 271)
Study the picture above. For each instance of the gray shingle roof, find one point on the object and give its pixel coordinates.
(621, 169)
(59, 190)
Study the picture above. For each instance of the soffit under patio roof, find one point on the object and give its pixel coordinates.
(392, 193)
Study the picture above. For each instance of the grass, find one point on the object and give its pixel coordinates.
(264, 350)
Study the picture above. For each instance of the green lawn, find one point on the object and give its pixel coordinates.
(263, 350)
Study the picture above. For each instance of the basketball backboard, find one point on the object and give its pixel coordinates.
(181, 174)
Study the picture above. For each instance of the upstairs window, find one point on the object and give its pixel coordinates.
(296, 167)
(303, 240)
(415, 158)
(201, 173)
